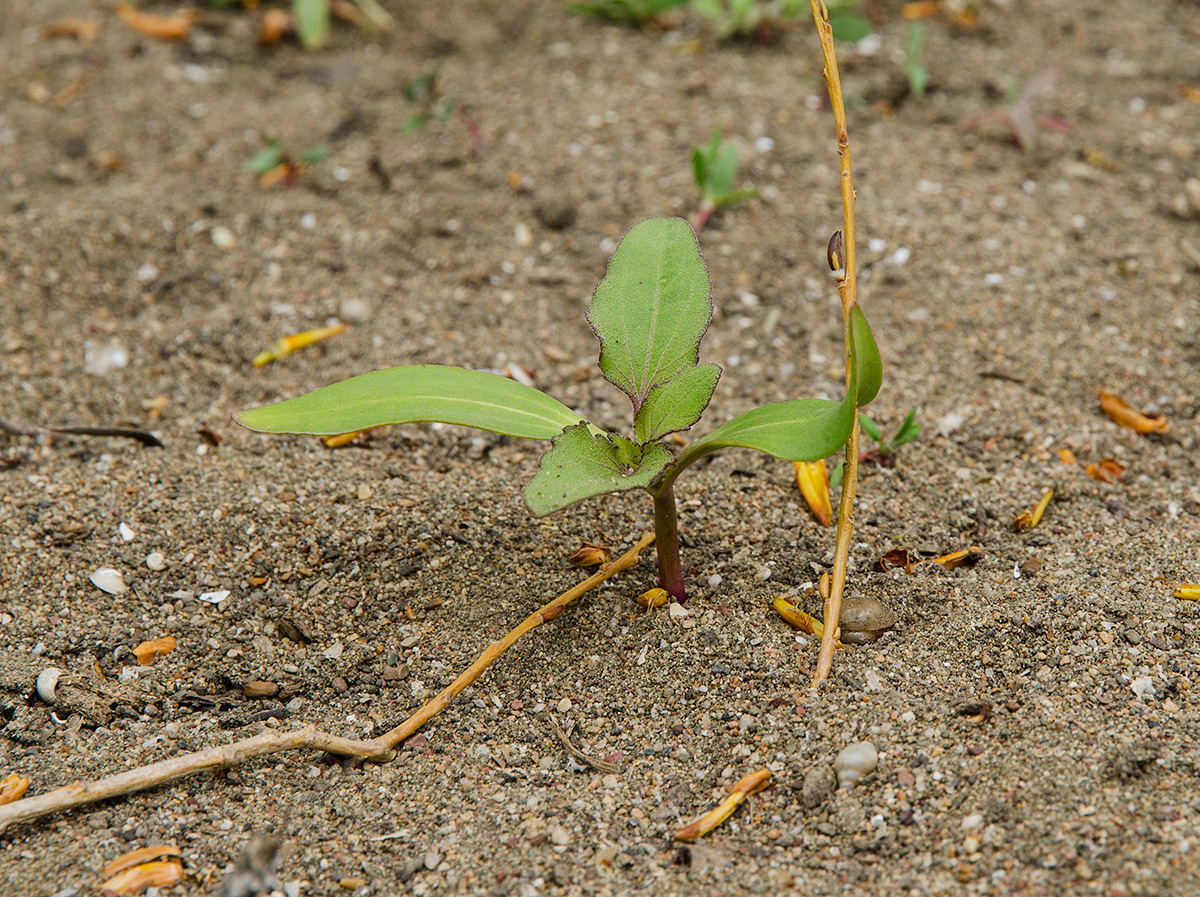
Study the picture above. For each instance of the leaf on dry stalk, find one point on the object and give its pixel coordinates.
(289, 344)
(1027, 520)
(966, 557)
(12, 786)
(589, 554)
(897, 557)
(751, 784)
(1109, 470)
(813, 479)
(173, 27)
(1187, 592)
(1124, 416)
(158, 874)
(148, 652)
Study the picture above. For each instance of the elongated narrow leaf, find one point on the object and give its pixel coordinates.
(677, 404)
(417, 393)
(801, 430)
(581, 464)
(652, 308)
(312, 22)
(868, 366)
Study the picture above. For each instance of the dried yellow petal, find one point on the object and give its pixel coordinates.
(797, 618)
(653, 598)
(12, 786)
(1030, 519)
(1066, 456)
(1188, 592)
(148, 652)
(966, 557)
(589, 554)
(343, 439)
(1126, 417)
(289, 344)
(813, 479)
(147, 875)
(751, 784)
(173, 27)
(140, 856)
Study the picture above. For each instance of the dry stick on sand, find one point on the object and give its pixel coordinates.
(846, 290)
(379, 749)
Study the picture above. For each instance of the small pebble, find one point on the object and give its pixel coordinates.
(355, 310)
(560, 836)
(564, 705)
(222, 237)
(714, 580)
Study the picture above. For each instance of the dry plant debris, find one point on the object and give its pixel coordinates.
(173, 27)
(1127, 417)
(813, 479)
(751, 784)
(1027, 520)
(288, 344)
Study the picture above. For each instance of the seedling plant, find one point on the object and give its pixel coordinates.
(626, 12)
(1018, 113)
(275, 162)
(714, 168)
(649, 313)
(432, 105)
(914, 69)
(757, 19)
(884, 452)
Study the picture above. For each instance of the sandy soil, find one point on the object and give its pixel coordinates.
(1035, 714)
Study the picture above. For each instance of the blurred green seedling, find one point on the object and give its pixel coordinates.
(885, 450)
(432, 105)
(914, 69)
(650, 313)
(746, 19)
(626, 12)
(714, 168)
(1018, 113)
(275, 163)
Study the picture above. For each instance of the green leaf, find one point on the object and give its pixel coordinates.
(312, 22)
(835, 478)
(800, 430)
(414, 122)
(870, 427)
(725, 170)
(417, 393)
(849, 29)
(581, 464)
(314, 154)
(677, 404)
(734, 196)
(909, 430)
(699, 168)
(865, 356)
(265, 159)
(652, 308)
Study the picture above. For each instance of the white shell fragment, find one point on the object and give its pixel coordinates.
(47, 680)
(855, 761)
(156, 561)
(126, 531)
(109, 580)
(214, 597)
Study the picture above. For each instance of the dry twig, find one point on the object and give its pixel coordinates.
(379, 750)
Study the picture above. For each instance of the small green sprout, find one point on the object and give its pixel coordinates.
(914, 68)
(757, 19)
(883, 454)
(714, 168)
(625, 12)
(423, 93)
(1018, 114)
(275, 162)
(650, 313)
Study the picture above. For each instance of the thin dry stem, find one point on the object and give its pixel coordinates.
(847, 291)
(380, 749)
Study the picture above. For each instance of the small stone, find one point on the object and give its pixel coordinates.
(854, 762)
(334, 651)
(126, 532)
(819, 784)
(560, 836)
(365, 492)
(714, 580)
(340, 685)
(556, 212)
(432, 860)
(972, 822)
(523, 235)
(355, 310)
(256, 688)
(564, 705)
(147, 273)
(222, 237)
(763, 574)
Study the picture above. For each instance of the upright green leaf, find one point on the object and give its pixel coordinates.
(581, 464)
(865, 361)
(652, 308)
(677, 404)
(312, 22)
(416, 393)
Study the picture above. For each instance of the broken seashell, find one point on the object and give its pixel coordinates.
(106, 579)
(864, 619)
(854, 762)
(47, 681)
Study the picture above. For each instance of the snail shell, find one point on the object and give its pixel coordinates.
(854, 762)
(47, 680)
(864, 619)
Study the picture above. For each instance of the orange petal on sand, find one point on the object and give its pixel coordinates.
(1030, 519)
(147, 875)
(919, 9)
(813, 479)
(653, 598)
(343, 439)
(71, 27)
(1126, 417)
(589, 554)
(797, 618)
(1188, 592)
(897, 557)
(1189, 93)
(1109, 470)
(966, 557)
(274, 25)
(139, 856)
(148, 652)
(1066, 456)
(12, 786)
(173, 27)
(751, 784)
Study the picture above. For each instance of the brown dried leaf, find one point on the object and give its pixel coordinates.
(147, 875)
(897, 557)
(71, 27)
(148, 652)
(589, 554)
(1126, 417)
(751, 784)
(172, 27)
(1109, 470)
